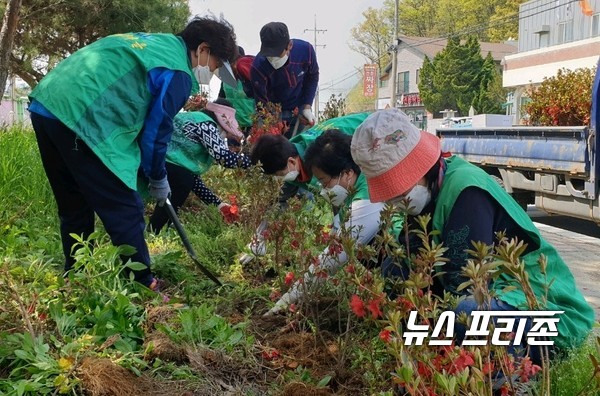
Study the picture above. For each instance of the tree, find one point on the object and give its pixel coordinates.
(562, 100)
(7, 35)
(458, 78)
(373, 37)
(504, 23)
(50, 30)
(416, 17)
(356, 101)
(335, 107)
(491, 94)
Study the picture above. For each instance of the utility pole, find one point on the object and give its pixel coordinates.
(394, 57)
(315, 31)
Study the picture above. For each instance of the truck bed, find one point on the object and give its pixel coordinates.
(557, 149)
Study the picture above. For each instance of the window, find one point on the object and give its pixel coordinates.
(543, 39)
(402, 83)
(595, 25)
(383, 83)
(565, 32)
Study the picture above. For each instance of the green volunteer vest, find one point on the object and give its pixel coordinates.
(185, 152)
(243, 105)
(578, 317)
(347, 124)
(107, 106)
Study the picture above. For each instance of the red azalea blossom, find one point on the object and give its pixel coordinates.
(358, 306)
(487, 368)
(385, 336)
(461, 362)
(275, 294)
(289, 278)
(270, 354)
(528, 369)
(374, 308)
(295, 244)
(350, 269)
(504, 391)
(405, 304)
(233, 200)
(424, 370)
(322, 274)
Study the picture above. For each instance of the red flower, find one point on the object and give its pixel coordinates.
(270, 354)
(289, 278)
(295, 244)
(275, 294)
(487, 368)
(292, 307)
(358, 306)
(350, 269)
(528, 369)
(374, 308)
(461, 362)
(424, 370)
(385, 336)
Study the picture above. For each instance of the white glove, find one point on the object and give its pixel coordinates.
(283, 303)
(257, 247)
(308, 114)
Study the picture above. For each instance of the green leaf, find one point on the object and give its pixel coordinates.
(324, 381)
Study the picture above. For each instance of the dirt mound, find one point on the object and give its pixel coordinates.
(102, 377)
(161, 314)
(159, 345)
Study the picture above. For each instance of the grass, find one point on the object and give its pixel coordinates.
(57, 336)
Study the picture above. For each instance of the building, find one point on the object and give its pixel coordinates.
(411, 54)
(553, 34)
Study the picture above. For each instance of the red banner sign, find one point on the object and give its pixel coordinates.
(370, 81)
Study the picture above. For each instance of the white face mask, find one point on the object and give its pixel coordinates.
(336, 195)
(419, 197)
(276, 61)
(290, 176)
(203, 73)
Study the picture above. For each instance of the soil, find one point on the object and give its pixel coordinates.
(286, 349)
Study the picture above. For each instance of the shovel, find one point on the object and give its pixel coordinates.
(186, 242)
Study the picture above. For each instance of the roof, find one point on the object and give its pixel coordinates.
(431, 46)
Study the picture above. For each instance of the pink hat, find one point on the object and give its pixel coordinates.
(392, 153)
(226, 118)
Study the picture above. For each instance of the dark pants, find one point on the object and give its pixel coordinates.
(181, 182)
(82, 185)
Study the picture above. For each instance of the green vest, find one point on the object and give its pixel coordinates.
(347, 124)
(108, 104)
(243, 105)
(185, 152)
(578, 317)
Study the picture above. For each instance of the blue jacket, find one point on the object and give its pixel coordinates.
(292, 85)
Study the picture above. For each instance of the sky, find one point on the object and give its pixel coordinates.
(337, 62)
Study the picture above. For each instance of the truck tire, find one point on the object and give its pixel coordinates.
(520, 198)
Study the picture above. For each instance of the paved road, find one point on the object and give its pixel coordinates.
(582, 255)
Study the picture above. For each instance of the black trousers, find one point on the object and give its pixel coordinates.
(181, 182)
(82, 185)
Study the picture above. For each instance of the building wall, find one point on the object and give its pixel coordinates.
(12, 112)
(540, 20)
(546, 47)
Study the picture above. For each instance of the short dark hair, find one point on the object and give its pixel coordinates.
(330, 152)
(218, 34)
(273, 152)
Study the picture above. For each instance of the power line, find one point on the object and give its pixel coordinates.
(473, 29)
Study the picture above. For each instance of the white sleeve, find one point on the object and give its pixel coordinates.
(363, 224)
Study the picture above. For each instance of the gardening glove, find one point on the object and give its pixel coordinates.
(229, 212)
(308, 114)
(284, 302)
(257, 246)
(159, 190)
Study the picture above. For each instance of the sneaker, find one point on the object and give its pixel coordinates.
(157, 286)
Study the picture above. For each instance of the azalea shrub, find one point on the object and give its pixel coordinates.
(266, 120)
(562, 100)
